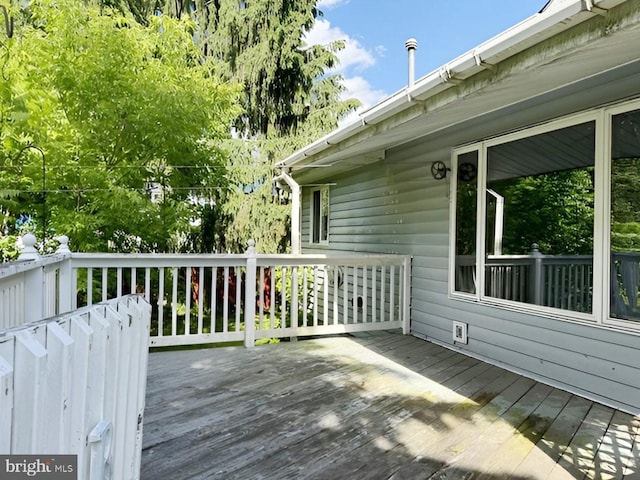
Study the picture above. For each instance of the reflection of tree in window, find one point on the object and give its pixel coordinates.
(625, 205)
(554, 210)
(316, 216)
(546, 181)
(466, 209)
(320, 215)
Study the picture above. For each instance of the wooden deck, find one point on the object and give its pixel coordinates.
(375, 406)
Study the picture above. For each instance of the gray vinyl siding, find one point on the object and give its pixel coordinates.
(395, 206)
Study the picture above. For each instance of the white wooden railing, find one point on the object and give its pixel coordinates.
(34, 287)
(247, 297)
(75, 384)
(215, 298)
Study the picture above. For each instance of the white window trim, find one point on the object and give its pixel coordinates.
(600, 315)
(608, 114)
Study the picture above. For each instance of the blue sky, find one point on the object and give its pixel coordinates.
(374, 63)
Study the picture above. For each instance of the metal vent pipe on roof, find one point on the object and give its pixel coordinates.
(411, 45)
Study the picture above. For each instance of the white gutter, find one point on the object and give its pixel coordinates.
(295, 210)
(504, 45)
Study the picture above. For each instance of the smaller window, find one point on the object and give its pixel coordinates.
(320, 216)
(466, 214)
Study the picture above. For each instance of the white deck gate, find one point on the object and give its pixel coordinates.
(75, 384)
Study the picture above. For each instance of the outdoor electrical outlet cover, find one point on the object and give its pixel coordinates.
(460, 332)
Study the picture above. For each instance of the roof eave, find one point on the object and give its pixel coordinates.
(516, 39)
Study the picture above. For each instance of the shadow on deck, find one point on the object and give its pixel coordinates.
(373, 406)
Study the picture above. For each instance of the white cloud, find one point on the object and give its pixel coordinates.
(358, 87)
(329, 3)
(353, 55)
(353, 60)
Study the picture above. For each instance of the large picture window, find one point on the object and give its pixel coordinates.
(539, 219)
(528, 228)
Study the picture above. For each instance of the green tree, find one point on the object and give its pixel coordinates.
(288, 100)
(127, 119)
(251, 209)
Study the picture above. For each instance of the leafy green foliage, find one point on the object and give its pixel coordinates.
(260, 43)
(625, 205)
(117, 110)
(8, 248)
(251, 211)
(288, 100)
(466, 205)
(123, 106)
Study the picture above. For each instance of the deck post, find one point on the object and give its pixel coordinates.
(66, 290)
(250, 296)
(294, 303)
(406, 296)
(535, 276)
(33, 308)
(29, 251)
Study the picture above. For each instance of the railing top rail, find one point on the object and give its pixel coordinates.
(8, 269)
(332, 259)
(567, 259)
(526, 259)
(98, 260)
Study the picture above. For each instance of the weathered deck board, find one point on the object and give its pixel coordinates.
(615, 451)
(376, 406)
(632, 467)
(553, 442)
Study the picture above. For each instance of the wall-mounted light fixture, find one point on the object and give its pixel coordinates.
(439, 170)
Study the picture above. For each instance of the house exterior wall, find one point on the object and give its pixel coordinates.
(396, 206)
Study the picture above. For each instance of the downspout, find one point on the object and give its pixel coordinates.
(295, 210)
